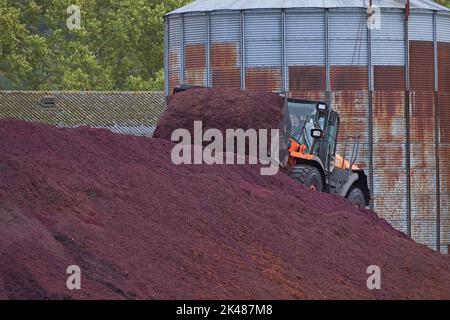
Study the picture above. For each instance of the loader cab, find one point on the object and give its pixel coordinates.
(315, 126)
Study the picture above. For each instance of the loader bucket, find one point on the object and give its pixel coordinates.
(285, 135)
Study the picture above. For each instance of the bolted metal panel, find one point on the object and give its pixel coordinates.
(174, 51)
(388, 43)
(421, 26)
(348, 37)
(423, 168)
(305, 50)
(263, 50)
(225, 31)
(443, 27)
(444, 156)
(195, 49)
(353, 109)
(444, 66)
(421, 68)
(389, 157)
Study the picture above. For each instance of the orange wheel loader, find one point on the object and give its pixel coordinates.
(309, 134)
(308, 143)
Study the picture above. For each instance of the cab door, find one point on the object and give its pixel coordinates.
(327, 145)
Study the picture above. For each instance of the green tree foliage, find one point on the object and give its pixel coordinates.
(444, 2)
(119, 45)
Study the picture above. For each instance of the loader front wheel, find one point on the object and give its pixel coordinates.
(309, 176)
(356, 197)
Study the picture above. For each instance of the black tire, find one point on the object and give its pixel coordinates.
(308, 176)
(356, 197)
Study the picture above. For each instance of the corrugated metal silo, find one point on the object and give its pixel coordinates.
(391, 85)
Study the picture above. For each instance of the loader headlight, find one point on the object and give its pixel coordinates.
(316, 133)
(322, 107)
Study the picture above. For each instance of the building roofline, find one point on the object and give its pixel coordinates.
(238, 5)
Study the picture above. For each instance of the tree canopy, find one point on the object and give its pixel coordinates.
(444, 2)
(118, 47)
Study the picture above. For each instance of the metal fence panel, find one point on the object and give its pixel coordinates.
(135, 113)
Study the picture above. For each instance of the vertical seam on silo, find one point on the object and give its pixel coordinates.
(437, 133)
(408, 129)
(283, 49)
(243, 50)
(327, 49)
(182, 50)
(208, 50)
(370, 65)
(166, 55)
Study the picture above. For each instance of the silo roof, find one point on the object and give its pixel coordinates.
(213, 5)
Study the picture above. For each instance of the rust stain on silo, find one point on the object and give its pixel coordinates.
(195, 64)
(307, 78)
(444, 66)
(421, 60)
(351, 103)
(174, 80)
(263, 78)
(444, 153)
(174, 60)
(444, 118)
(349, 78)
(353, 109)
(225, 69)
(224, 55)
(423, 164)
(230, 78)
(195, 56)
(309, 95)
(174, 69)
(422, 117)
(445, 193)
(389, 154)
(389, 78)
